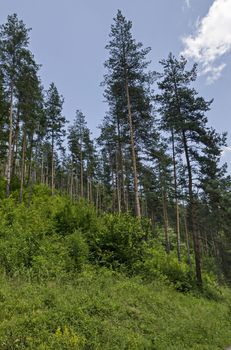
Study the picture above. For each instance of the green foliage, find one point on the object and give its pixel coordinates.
(123, 241)
(114, 240)
(29, 237)
(101, 309)
(54, 257)
(78, 249)
(2, 187)
(159, 265)
(51, 259)
(71, 217)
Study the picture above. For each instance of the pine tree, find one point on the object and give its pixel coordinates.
(3, 124)
(30, 111)
(55, 125)
(82, 154)
(76, 146)
(14, 41)
(183, 114)
(127, 90)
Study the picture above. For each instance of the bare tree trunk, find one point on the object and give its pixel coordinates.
(118, 187)
(97, 197)
(42, 169)
(166, 224)
(90, 190)
(187, 240)
(72, 181)
(52, 167)
(127, 188)
(77, 186)
(47, 175)
(123, 190)
(196, 241)
(120, 168)
(113, 190)
(133, 152)
(15, 144)
(192, 209)
(9, 157)
(30, 159)
(164, 207)
(100, 199)
(176, 198)
(81, 173)
(22, 164)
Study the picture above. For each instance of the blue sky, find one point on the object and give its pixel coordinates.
(68, 38)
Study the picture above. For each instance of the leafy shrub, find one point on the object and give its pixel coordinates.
(122, 241)
(51, 259)
(75, 216)
(78, 249)
(2, 187)
(159, 265)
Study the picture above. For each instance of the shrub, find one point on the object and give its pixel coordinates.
(75, 216)
(78, 249)
(159, 265)
(51, 260)
(122, 241)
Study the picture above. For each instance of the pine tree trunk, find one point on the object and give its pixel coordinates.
(9, 158)
(165, 216)
(90, 190)
(100, 199)
(114, 197)
(52, 167)
(15, 144)
(23, 164)
(81, 173)
(127, 189)
(72, 181)
(176, 198)
(187, 240)
(97, 197)
(77, 185)
(196, 241)
(133, 152)
(47, 175)
(121, 168)
(42, 170)
(30, 159)
(118, 186)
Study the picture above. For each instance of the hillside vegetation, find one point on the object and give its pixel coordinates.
(72, 278)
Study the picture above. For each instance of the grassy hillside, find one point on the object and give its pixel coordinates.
(72, 279)
(104, 310)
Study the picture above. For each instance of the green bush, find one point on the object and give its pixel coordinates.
(71, 217)
(2, 187)
(78, 250)
(51, 259)
(159, 265)
(121, 242)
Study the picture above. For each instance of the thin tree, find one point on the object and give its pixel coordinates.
(55, 123)
(14, 41)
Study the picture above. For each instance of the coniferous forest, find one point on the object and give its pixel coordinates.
(118, 242)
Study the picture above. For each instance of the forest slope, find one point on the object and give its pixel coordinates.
(74, 279)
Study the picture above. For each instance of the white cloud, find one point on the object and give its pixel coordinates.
(212, 39)
(226, 151)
